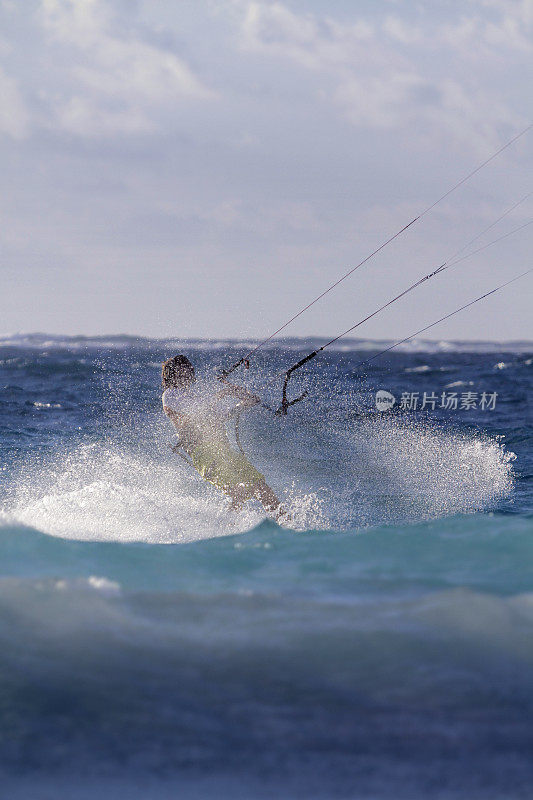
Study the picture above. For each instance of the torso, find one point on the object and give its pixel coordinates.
(201, 415)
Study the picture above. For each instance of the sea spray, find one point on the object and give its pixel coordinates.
(158, 644)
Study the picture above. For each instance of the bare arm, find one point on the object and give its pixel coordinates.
(180, 421)
(188, 435)
(174, 416)
(246, 398)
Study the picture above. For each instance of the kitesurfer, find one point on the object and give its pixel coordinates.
(199, 413)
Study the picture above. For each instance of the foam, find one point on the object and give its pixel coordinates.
(395, 469)
(379, 470)
(102, 491)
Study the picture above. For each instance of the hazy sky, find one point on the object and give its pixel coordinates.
(204, 168)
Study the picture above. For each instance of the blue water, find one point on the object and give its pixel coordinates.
(156, 644)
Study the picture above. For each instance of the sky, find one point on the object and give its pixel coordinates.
(198, 168)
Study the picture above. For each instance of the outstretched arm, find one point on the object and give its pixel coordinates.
(246, 398)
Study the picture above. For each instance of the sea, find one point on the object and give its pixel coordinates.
(156, 644)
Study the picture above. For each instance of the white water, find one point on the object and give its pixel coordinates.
(379, 470)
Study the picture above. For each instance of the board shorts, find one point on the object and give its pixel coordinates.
(225, 468)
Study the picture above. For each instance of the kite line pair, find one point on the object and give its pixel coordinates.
(456, 258)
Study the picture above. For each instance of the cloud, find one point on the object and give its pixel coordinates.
(368, 81)
(519, 10)
(402, 31)
(14, 117)
(506, 32)
(86, 116)
(118, 82)
(315, 43)
(155, 150)
(395, 73)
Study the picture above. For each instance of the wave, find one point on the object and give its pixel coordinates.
(248, 655)
(129, 341)
(140, 670)
(384, 469)
(488, 553)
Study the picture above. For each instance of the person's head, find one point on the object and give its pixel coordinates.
(177, 371)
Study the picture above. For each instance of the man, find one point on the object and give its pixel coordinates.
(199, 413)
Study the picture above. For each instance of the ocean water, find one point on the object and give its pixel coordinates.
(155, 644)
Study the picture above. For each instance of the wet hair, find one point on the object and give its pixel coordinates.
(177, 371)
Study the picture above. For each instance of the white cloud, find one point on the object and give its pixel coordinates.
(314, 43)
(85, 117)
(509, 34)
(374, 102)
(355, 70)
(505, 34)
(118, 82)
(520, 10)
(402, 31)
(331, 126)
(78, 22)
(14, 117)
(396, 72)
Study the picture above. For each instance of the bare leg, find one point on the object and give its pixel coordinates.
(270, 502)
(238, 497)
(262, 492)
